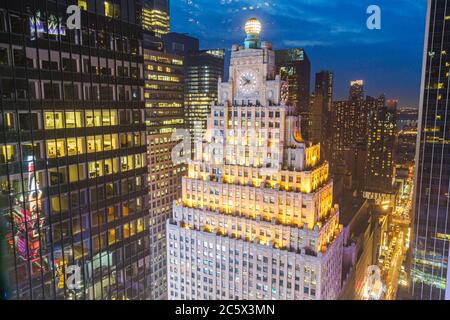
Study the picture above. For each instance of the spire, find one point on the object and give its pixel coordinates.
(252, 29)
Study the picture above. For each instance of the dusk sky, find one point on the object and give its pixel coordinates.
(333, 33)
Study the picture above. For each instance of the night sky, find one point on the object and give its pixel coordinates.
(333, 33)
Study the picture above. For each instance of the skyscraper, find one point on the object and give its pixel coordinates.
(73, 172)
(321, 112)
(351, 132)
(382, 132)
(293, 65)
(356, 90)
(430, 273)
(164, 98)
(350, 120)
(256, 219)
(203, 70)
(154, 15)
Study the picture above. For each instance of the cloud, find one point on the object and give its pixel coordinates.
(306, 43)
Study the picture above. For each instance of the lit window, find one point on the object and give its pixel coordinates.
(7, 153)
(82, 4)
(112, 10)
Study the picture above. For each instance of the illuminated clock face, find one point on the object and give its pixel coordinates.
(247, 82)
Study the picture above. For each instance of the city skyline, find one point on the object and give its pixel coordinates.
(274, 155)
(333, 34)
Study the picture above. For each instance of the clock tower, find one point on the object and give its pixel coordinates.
(256, 190)
(253, 78)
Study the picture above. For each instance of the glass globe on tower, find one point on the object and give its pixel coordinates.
(253, 29)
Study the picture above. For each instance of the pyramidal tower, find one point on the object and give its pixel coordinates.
(256, 219)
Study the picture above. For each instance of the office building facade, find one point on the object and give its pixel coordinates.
(73, 171)
(164, 101)
(430, 271)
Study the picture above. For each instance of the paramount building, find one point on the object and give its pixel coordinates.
(256, 219)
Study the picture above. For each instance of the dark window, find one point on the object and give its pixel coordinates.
(102, 40)
(136, 117)
(19, 58)
(51, 91)
(16, 24)
(32, 90)
(70, 92)
(123, 94)
(122, 71)
(124, 117)
(49, 65)
(28, 121)
(69, 65)
(106, 93)
(7, 88)
(88, 68)
(4, 56)
(94, 93)
(134, 46)
(105, 71)
(134, 73)
(2, 21)
(122, 45)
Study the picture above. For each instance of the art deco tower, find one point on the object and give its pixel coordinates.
(256, 219)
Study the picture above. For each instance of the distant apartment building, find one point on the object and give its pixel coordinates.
(406, 146)
(382, 134)
(351, 133)
(407, 117)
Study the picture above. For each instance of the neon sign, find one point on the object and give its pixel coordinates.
(27, 221)
(52, 26)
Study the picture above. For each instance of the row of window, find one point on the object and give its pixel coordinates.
(106, 68)
(69, 119)
(37, 27)
(9, 153)
(47, 90)
(248, 114)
